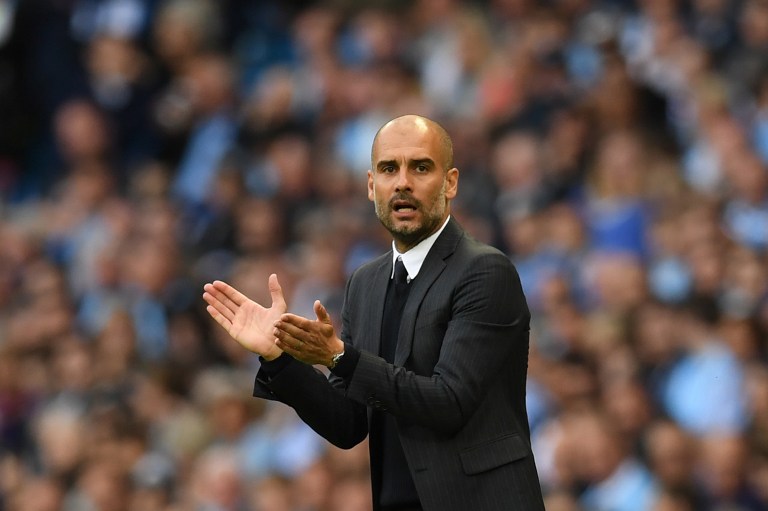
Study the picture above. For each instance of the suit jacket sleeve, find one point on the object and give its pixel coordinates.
(319, 402)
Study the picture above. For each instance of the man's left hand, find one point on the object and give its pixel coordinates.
(310, 341)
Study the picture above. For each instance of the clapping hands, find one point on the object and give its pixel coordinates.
(271, 331)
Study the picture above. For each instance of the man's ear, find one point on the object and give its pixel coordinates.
(371, 195)
(451, 183)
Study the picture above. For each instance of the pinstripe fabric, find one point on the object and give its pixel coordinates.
(456, 388)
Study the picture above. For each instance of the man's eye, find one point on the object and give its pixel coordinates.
(422, 168)
(388, 169)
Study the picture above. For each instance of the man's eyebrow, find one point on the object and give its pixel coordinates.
(419, 161)
(385, 163)
(414, 162)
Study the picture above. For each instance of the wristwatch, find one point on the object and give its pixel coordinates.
(335, 359)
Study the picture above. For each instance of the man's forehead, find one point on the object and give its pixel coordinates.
(406, 137)
(403, 137)
(405, 153)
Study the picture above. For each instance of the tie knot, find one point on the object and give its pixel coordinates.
(401, 275)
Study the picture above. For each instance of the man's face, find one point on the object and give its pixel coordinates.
(409, 185)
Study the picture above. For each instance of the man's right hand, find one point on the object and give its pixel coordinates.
(249, 323)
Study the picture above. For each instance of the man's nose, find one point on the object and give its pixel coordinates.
(403, 179)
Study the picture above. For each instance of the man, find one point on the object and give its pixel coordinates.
(442, 395)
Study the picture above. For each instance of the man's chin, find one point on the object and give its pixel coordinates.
(404, 227)
(407, 232)
(408, 235)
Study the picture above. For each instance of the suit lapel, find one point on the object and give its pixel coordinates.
(433, 266)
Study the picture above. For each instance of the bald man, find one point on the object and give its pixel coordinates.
(432, 355)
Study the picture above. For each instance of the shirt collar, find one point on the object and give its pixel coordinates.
(414, 258)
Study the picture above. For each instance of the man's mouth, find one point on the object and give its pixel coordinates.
(403, 206)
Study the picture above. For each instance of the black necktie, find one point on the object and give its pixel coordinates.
(397, 486)
(397, 294)
(401, 274)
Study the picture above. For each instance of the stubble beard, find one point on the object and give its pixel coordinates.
(409, 235)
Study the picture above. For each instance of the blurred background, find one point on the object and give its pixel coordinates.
(616, 150)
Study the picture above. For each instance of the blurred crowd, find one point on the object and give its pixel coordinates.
(616, 150)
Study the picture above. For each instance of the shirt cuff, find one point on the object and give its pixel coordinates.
(348, 362)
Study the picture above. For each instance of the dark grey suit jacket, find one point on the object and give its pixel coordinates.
(457, 387)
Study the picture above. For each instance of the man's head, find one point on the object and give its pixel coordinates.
(412, 179)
